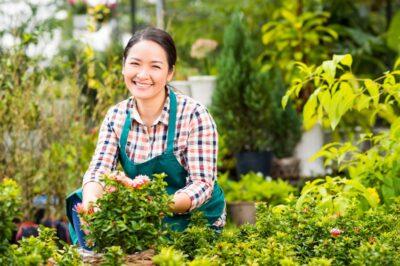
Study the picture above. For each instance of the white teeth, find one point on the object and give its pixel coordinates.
(142, 84)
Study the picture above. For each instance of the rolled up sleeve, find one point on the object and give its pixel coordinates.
(202, 158)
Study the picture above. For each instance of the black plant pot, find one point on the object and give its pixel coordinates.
(254, 162)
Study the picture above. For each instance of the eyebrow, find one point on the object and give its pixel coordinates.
(137, 59)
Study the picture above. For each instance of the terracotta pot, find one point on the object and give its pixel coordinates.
(242, 212)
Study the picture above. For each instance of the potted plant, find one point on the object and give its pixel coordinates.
(241, 101)
(202, 86)
(242, 195)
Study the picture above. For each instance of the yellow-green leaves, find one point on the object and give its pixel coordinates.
(309, 111)
(373, 90)
(336, 91)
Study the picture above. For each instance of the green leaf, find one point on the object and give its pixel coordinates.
(362, 102)
(347, 60)
(309, 111)
(373, 89)
(330, 68)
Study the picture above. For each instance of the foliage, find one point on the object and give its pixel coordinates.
(284, 235)
(38, 250)
(285, 124)
(186, 27)
(168, 256)
(255, 187)
(337, 195)
(114, 256)
(295, 35)
(10, 202)
(335, 96)
(240, 101)
(130, 214)
(370, 167)
(197, 237)
(337, 90)
(43, 131)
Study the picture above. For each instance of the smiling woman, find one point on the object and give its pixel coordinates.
(156, 130)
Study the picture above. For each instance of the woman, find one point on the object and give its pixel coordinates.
(154, 131)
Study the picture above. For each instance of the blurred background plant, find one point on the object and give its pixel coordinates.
(254, 187)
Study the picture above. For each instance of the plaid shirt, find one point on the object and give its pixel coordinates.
(195, 145)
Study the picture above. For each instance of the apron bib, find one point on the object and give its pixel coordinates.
(164, 163)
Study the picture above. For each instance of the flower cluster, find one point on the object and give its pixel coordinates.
(202, 47)
(78, 6)
(137, 183)
(129, 214)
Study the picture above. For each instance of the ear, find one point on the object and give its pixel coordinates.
(171, 74)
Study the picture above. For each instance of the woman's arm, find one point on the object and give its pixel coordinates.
(103, 161)
(201, 155)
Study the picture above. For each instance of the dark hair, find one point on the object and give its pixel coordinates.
(158, 36)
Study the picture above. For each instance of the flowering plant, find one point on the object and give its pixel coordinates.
(78, 6)
(101, 10)
(201, 49)
(129, 214)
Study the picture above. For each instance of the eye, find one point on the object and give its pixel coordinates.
(158, 67)
(134, 63)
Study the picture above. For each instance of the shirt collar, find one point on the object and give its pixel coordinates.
(163, 117)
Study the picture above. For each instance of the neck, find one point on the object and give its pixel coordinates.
(150, 109)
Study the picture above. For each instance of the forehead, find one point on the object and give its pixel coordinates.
(147, 50)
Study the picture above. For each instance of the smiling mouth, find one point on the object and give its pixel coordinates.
(142, 85)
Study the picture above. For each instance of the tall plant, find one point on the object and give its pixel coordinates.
(340, 92)
(240, 101)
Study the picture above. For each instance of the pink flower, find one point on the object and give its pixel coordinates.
(111, 189)
(202, 47)
(143, 179)
(79, 208)
(335, 232)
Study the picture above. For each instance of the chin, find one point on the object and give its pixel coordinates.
(143, 94)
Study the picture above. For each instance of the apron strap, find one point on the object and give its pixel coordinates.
(171, 126)
(124, 135)
(171, 122)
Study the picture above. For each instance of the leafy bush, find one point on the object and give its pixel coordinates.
(341, 92)
(130, 214)
(255, 187)
(40, 250)
(240, 100)
(337, 195)
(197, 237)
(10, 202)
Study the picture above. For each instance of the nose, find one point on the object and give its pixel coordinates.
(142, 74)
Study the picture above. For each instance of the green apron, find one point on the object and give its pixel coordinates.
(164, 163)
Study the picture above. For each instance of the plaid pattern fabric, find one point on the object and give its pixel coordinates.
(195, 145)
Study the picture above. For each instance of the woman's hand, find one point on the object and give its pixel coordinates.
(91, 192)
(181, 203)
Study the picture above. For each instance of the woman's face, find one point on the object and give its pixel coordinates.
(146, 70)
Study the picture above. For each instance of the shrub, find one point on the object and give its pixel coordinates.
(240, 101)
(43, 249)
(10, 202)
(255, 187)
(130, 214)
(196, 238)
